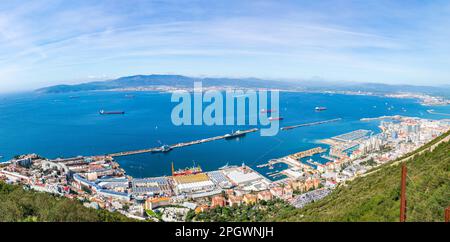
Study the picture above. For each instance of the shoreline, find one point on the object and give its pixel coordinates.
(423, 98)
(101, 181)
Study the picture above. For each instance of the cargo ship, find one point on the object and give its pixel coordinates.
(234, 135)
(186, 171)
(275, 119)
(318, 109)
(103, 112)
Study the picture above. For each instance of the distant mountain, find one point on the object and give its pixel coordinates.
(188, 82)
(163, 80)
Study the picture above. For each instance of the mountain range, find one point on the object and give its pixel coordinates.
(139, 81)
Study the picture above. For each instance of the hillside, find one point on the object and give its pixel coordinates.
(188, 82)
(164, 80)
(374, 197)
(18, 205)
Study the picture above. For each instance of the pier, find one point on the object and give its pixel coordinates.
(397, 117)
(271, 163)
(326, 157)
(311, 162)
(311, 124)
(179, 145)
(293, 159)
(431, 111)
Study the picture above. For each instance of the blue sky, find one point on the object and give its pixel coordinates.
(46, 42)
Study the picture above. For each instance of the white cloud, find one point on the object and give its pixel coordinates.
(43, 44)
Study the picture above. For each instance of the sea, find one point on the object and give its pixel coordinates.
(69, 124)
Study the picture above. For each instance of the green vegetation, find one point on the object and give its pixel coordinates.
(369, 162)
(262, 211)
(374, 197)
(153, 214)
(18, 205)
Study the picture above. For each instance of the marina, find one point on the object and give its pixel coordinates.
(310, 162)
(329, 158)
(351, 136)
(292, 160)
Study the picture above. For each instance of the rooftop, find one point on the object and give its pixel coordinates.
(201, 177)
(240, 177)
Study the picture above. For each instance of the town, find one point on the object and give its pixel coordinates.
(100, 183)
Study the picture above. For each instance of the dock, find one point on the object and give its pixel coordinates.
(312, 162)
(311, 124)
(270, 163)
(178, 145)
(381, 118)
(326, 157)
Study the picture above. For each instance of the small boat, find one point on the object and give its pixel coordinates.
(267, 110)
(275, 119)
(318, 109)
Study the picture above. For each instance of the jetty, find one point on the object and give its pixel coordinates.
(381, 118)
(270, 163)
(178, 145)
(431, 111)
(311, 124)
(326, 157)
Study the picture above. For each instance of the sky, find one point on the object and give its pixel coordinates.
(49, 42)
